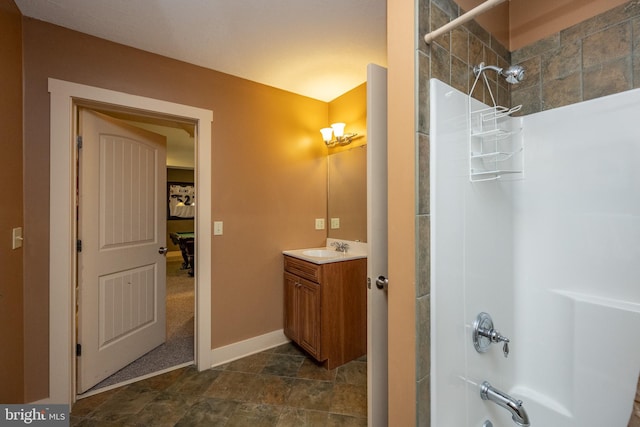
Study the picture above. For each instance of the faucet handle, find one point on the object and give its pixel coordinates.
(484, 335)
(340, 246)
(497, 337)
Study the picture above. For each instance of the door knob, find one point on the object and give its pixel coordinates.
(163, 250)
(382, 283)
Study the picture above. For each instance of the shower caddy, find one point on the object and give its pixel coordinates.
(495, 148)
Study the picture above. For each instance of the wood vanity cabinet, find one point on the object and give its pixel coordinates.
(325, 308)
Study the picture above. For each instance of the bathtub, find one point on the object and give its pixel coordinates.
(580, 364)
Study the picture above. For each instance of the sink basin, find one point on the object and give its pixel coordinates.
(322, 253)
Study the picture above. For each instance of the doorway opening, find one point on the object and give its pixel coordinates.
(174, 347)
(65, 98)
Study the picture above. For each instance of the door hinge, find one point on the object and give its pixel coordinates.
(79, 141)
(79, 245)
(78, 350)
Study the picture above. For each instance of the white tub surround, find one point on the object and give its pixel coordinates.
(551, 255)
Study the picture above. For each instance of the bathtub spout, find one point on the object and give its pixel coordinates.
(519, 415)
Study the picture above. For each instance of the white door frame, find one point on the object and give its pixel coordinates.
(62, 224)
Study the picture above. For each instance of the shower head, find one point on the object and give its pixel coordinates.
(514, 74)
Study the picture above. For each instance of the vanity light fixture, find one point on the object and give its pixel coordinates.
(335, 135)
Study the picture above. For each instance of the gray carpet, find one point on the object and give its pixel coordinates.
(178, 347)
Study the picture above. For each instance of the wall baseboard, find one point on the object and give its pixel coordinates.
(238, 350)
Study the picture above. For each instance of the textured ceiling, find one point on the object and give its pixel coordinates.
(316, 48)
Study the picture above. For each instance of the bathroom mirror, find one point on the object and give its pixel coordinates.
(347, 194)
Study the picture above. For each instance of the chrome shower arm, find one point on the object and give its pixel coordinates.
(480, 68)
(513, 74)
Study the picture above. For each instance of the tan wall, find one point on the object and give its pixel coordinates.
(350, 108)
(401, 182)
(11, 287)
(268, 175)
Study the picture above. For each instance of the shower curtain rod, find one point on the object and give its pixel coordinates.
(489, 4)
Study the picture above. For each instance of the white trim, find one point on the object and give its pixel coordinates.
(62, 225)
(238, 350)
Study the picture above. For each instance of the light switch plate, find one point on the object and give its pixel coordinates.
(335, 223)
(16, 238)
(217, 228)
(319, 223)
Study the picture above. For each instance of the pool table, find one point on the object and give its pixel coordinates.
(185, 240)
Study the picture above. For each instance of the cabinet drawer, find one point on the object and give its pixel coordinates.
(302, 268)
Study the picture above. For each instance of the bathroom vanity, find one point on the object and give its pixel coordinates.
(325, 305)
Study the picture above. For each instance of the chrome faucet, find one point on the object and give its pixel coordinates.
(518, 414)
(484, 334)
(341, 246)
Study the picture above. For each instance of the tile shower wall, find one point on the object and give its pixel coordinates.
(597, 57)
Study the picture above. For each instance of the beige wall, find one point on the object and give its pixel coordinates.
(268, 176)
(401, 90)
(11, 287)
(350, 108)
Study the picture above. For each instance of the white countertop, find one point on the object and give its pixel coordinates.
(339, 256)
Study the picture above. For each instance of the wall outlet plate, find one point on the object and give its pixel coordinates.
(217, 228)
(16, 238)
(319, 223)
(335, 223)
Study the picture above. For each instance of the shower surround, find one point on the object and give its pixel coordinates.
(597, 57)
(551, 255)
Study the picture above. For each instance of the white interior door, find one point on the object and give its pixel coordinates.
(377, 356)
(121, 226)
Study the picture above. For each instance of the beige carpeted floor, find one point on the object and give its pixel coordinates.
(179, 346)
(180, 302)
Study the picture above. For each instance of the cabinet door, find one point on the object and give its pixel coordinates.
(308, 296)
(290, 306)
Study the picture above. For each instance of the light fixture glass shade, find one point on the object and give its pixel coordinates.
(326, 134)
(338, 129)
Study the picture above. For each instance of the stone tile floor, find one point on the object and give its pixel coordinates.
(279, 387)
